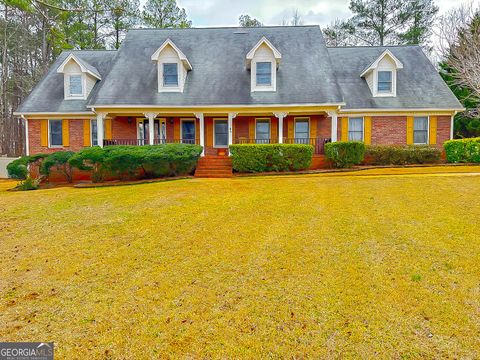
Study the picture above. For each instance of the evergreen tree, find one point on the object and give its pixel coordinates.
(165, 14)
(247, 21)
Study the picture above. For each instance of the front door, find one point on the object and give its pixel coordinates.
(220, 133)
(188, 131)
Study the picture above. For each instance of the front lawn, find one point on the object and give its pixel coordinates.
(292, 266)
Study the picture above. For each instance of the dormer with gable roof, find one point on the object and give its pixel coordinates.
(79, 77)
(263, 61)
(381, 75)
(173, 67)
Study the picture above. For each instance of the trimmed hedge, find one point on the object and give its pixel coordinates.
(137, 161)
(18, 169)
(463, 150)
(402, 155)
(59, 160)
(271, 157)
(344, 154)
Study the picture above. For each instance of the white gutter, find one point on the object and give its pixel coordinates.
(27, 144)
(213, 106)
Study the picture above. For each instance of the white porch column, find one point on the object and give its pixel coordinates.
(231, 116)
(100, 133)
(200, 118)
(452, 123)
(151, 127)
(280, 117)
(334, 116)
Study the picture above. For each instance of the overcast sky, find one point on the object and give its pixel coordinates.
(272, 12)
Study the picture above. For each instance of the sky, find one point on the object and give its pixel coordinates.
(272, 12)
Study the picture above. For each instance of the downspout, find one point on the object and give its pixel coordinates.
(27, 143)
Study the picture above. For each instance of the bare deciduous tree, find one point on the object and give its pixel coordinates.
(459, 46)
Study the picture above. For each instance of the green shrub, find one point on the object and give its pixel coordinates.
(28, 183)
(59, 160)
(130, 161)
(170, 159)
(344, 154)
(18, 169)
(90, 159)
(402, 155)
(463, 150)
(271, 157)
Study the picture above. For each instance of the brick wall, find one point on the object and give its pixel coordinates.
(122, 129)
(443, 129)
(76, 137)
(389, 130)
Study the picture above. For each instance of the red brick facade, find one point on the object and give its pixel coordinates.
(390, 130)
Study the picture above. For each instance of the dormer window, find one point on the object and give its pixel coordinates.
(264, 73)
(173, 66)
(263, 61)
(384, 82)
(170, 74)
(79, 77)
(76, 86)
(381, 75)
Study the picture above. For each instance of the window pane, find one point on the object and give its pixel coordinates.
(263, 131)
(55, 132)
(420, 123)
(93, 125)
(264, 73)
(170, 74)
(76, 85)
(188, 132)
(385, 81)
(302, 132)
(420, 130)
(221, 132)
(355, 129)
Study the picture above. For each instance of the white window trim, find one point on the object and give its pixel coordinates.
(363, 127)
(428, 130)
(215, 145)
(295, 125)
(377, 93)
(66, 84)
(49, 137)
(180, 79)
(253, 71)
(194, 120)
(269, 126)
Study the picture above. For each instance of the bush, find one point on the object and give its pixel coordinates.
(463, 150)
(130, 161)
(28, 183)
(59, 160)
(90, 159)
(402, 155)
(271, 157)
(344, 154)
(18, 169)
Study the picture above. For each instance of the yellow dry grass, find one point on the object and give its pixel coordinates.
(295, 266)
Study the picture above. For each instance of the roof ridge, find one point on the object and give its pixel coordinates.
(371, 46)
(225, 27)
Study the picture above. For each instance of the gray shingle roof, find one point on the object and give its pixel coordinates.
(48, 95)
(89, 67)
(309, 73)
(419, 86)
(219, 74)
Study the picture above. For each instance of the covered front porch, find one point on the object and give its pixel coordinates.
(216, 131)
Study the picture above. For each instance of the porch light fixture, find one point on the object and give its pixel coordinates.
(129, 119)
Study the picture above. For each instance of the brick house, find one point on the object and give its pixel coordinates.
(220, 86)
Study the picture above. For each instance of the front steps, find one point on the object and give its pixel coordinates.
(214, 167)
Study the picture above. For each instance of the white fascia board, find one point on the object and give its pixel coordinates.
(61, 68)
(374, 65)
(181, 55)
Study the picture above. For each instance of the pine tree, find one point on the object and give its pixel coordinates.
(165, 14)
